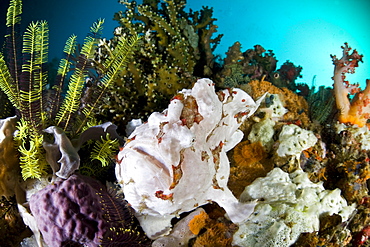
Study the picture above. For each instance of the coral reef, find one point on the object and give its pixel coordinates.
(263, 161)
(216, 234)
(247, 154)
(360, 223)
(332, 233)
(351, 164)
(263, 132)
(64, 204)
(177, 48)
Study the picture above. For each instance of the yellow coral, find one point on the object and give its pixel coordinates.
(215, 236)
(198, 222)
(249, 163)
(247, 154)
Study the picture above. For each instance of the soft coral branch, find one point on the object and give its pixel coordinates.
(356, 111)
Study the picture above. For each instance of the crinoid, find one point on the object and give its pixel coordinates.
(124, 229)
(67, 104)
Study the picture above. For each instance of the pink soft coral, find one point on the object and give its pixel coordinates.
(358, 110)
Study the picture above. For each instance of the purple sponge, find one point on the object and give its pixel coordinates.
(69, 211)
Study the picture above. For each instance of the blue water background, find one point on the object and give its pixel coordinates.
(304, 32)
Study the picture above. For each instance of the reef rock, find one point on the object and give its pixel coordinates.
(177, 160)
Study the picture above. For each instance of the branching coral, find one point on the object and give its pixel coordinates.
(254, 64)
(175, 48)
(356, 111)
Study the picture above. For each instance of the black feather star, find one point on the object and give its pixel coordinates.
(124, 228)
